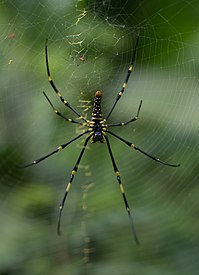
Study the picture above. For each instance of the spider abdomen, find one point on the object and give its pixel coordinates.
(97, 112)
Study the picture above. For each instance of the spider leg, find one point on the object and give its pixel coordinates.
(65, 102)
(59, 114)
(127, 122)
(119, 95)
(58, 149)
(141, 151)
(73, 172)
(122, 191)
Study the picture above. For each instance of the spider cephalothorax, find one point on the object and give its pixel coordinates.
(97, 130)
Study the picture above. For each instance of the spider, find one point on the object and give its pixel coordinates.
(97, 130)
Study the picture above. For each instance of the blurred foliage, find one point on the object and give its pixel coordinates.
(96, 237)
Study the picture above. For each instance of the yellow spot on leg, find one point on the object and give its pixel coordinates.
(131, 68)
(59, 94)
(60, 148)
(124, 85)
(120, 94)
(132, 145)
(121, 188)
(68, 187)
(117, 173)
(73, 172)
(50, 78)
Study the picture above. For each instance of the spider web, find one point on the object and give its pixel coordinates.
(90, 46)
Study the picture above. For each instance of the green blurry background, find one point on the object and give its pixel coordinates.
(96, 236)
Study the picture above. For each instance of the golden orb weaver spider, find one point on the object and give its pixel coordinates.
(97, 130)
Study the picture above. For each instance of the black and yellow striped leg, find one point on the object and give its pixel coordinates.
(65, 102)
(69, 185)
(141, 151)
(58, 149)
(119, 95)
(132, 120)
(122, 190)
(59, 114)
